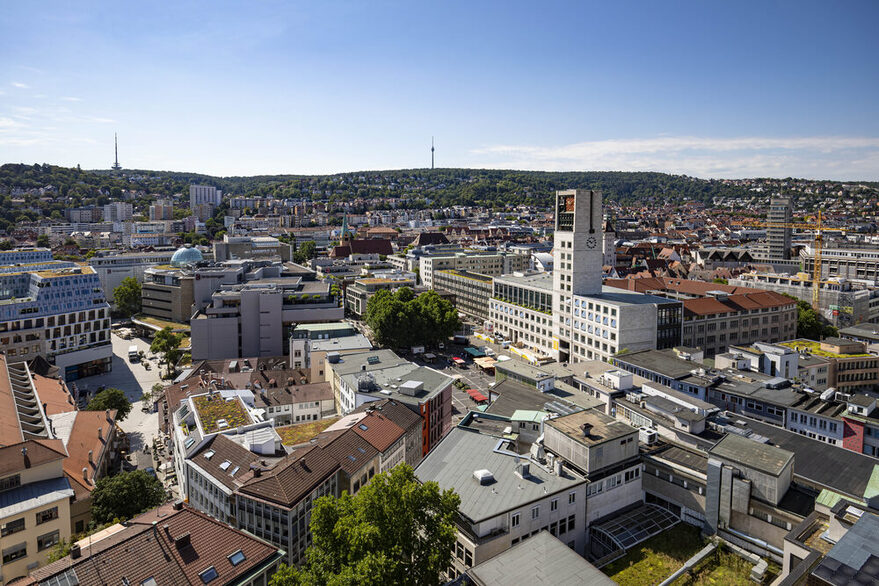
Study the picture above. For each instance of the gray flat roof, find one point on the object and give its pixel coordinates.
(845, 562)
(451, 464)
(752, 454)
(543, 560)
(865, 331)
(535, 281)
(521, 368)
(342, 343)
(664, 362)
(841, 470)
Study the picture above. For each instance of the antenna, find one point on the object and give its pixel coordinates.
(431, 152)
(116, 165)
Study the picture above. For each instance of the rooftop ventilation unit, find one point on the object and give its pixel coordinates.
(483, 477)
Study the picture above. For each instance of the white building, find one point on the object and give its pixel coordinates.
(118, 211)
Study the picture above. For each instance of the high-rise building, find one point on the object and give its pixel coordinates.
(162, 209)
(203, 199)
(118, 211)
(779, 237)
(591, 321)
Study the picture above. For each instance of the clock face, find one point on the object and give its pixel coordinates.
(591, 242)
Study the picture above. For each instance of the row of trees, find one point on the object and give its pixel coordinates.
(401, 319)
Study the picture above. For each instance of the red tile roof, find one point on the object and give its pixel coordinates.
(85, 438)
(172, 547)
(39, 452)
(54, 395)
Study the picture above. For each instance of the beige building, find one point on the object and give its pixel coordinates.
(484, 263)
(35, 505)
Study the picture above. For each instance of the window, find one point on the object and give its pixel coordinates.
(468, 558)
(15, 553)
(553, 504)
(13, 527)
(571, 520)
(208, 575)
(535, 512)
(10, 482)
(47, 515)
(572, 497)
(514, 520)
(46, 541)
(236, 558)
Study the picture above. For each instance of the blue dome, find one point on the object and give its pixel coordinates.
(186, 255)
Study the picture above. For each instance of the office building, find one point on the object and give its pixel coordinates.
(358, 294)
(472, 291)
(841, 302)
(113, 268)
(482, 262)
(312, 344)
(363, 377)
(84, 215)
(850, 368)
(256, 318)
(779, 237)
(840, 258)
(505, 499)
(56, 310)
(252, 247)
(21, 256)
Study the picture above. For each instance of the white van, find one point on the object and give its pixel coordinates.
(133, 354)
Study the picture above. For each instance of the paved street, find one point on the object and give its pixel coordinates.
(133, 379)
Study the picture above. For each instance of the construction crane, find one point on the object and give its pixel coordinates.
(819, 229)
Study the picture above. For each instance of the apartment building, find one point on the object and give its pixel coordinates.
(172, 544)
(779, 237)
(276, 504)
(161, 209)
(118, 211)
(56, 310)
(35, 511)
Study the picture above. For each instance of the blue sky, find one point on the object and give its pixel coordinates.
(711, 89)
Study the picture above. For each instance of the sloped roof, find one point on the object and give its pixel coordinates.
(146, 548)
(293, 478)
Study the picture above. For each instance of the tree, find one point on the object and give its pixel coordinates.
(401, 319)
(127, 296)
(125, 495)
(6, 245)
(720, 281)
(43, 241)
(305, 252)
(167, 343)
(809, 324)
(394, 531)
(111, 399)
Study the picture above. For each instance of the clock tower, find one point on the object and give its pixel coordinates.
(578, 257)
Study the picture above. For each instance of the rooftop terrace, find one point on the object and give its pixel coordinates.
(217, 413)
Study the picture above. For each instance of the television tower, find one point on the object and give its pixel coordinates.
(431, 152)
(116, 165)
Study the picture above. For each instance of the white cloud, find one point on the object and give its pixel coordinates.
(8, 123)
(19, 85)
(70, 99)
(818, 157)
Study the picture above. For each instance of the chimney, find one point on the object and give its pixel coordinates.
(101, 433)
(91, 457)
(586, 428)
(85, 474)
(109, 419)
(178, 505)
(75, 552)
